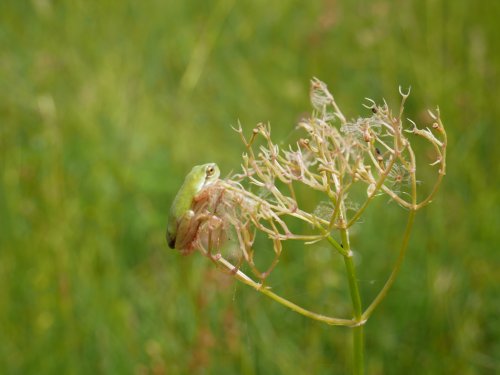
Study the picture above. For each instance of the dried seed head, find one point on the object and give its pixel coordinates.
(399, 176)
(332, 157)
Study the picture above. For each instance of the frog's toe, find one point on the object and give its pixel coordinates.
(171, 241)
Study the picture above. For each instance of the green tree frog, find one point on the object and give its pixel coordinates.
(181, 228)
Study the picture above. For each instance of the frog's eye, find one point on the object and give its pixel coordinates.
(210, 171)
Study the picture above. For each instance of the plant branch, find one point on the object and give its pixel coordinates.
(292, 306)
(397, 266)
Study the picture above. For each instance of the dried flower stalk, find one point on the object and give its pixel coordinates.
(333, 157)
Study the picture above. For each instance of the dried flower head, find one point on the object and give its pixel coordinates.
(333, 156)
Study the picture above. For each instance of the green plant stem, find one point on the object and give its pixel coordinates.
(337, 246)
(402, 251)
(292, 306)
(357, 332)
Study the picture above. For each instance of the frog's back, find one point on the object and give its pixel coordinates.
(182, 203)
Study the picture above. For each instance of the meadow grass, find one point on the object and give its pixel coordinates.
(105, 106)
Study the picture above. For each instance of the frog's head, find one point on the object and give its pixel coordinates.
(211, 173)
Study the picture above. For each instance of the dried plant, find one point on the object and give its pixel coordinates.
(333, 157)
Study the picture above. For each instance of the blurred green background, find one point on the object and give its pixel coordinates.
(104, 107)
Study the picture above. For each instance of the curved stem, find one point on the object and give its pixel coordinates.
(435, 188)
(292, 306)
(402, 251)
